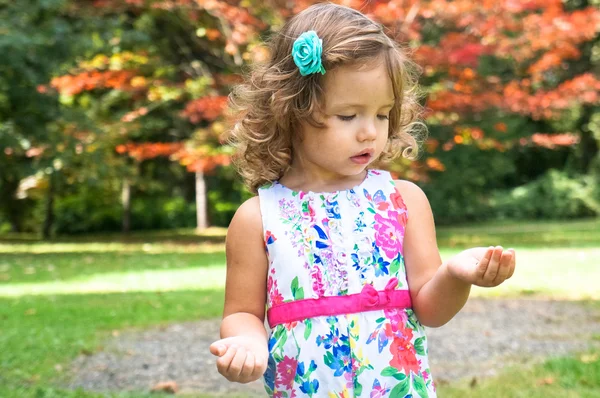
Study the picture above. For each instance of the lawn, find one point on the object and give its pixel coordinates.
(61, 298)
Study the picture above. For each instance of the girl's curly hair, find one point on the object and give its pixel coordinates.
(275, 99)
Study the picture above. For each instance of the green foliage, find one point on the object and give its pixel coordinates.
(225, 193)
(179, 55)
(555, 195)
(88, 211)
(459, 193)
(34, 41)
(85, 213)
(162, 213)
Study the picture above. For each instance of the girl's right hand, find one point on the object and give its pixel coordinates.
(242, 359)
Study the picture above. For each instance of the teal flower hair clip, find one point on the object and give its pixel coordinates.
(307, 53)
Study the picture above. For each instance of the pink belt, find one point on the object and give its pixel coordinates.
(369, 299)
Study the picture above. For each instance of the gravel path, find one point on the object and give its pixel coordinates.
(484, 337)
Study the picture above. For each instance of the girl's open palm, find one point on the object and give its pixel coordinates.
(481, 266)
(242, 358)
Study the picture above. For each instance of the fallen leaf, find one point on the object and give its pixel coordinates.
(545, 381)
(166, 386)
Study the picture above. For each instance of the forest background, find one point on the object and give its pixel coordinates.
(112, 112)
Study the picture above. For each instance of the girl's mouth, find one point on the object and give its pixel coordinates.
(363, 157)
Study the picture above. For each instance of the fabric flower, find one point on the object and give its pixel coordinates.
(341, 360)
(397, 201)
(389, 233)
(271, 369)
(306, 52)
(286, 371)
(404, 355)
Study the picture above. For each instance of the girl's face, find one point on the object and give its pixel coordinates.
(357, 105)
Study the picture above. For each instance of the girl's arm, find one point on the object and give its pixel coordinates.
(242, 350)
(439, 290)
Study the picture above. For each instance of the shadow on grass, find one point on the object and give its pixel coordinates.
(179, 236)
(64, 266)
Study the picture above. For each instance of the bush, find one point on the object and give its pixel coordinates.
(98, 210)
(461, 192)
(90, 210)
(162, 213)
(555, 195)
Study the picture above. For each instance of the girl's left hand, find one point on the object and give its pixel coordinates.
(486, 267)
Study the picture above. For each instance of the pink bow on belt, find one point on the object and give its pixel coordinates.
(371, 297)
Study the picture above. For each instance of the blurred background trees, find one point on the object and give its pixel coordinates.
(112, 111)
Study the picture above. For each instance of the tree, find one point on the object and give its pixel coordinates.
(35, 41)
(511, 77)
(499, 76)
(166, 82)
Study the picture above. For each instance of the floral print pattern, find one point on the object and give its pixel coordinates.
(332, 244)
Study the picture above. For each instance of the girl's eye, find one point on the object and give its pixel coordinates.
(346, 118)
(383, 117)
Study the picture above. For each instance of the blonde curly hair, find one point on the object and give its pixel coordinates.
(275, 99)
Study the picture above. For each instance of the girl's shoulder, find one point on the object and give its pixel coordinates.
(413, 196)
(248, 216)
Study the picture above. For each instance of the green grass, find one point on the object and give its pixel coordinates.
(577, 377)
(64, 297)
(525, 234)
(40, 335)
(28, 268)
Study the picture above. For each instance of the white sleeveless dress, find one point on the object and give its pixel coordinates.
(332, 244)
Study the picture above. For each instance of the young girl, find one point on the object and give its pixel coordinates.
(343, 258)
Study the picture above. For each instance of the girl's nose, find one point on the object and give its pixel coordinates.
(368, 131)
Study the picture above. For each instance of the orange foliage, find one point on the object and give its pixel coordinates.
(583, 89)
(35, 152)
(199, 160)
(432, 145)
(518, 97)
(435, 164)
(131, 116)
(464, 102)
(206, 108)
(192, 159)
(148, 150)
(91, 80)
(554, 140)
(537, 26)
(501, 127)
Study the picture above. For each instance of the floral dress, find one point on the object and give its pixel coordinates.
(333, 244)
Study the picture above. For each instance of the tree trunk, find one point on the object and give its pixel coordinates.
(126, 200)
(9, 204)
(588, 147)
(49, 211)
(201, 221)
